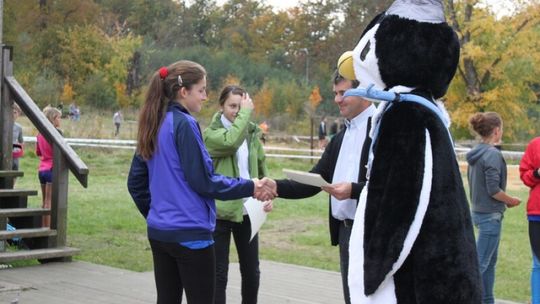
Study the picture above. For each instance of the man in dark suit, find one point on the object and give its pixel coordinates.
(322, 133)
(343, 164)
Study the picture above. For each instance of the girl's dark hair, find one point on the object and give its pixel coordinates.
(230, 90)
(164, 86)
(484, 123)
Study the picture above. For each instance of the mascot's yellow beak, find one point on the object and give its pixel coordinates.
(345, 66)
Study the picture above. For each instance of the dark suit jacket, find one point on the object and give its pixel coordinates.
(325, 167)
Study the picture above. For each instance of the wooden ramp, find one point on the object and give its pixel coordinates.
(84, 283)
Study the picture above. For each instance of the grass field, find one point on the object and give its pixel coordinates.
(104, 223)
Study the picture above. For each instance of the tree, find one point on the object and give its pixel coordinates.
(498, 65)
(315, 98)
(122, 99)
(356, 16)
(263, 101)
(67, 94)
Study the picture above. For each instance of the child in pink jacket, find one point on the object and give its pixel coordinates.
(45, 152)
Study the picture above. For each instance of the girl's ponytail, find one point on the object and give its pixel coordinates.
(163, 87)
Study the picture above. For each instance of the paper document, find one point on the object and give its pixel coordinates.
(256, 214)
(307, 178)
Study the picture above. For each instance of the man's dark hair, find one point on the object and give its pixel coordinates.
(338, 78)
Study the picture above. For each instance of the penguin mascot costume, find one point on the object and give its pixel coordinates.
(412, 240)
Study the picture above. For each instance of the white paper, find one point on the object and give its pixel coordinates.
(307, 178)
(256, 214)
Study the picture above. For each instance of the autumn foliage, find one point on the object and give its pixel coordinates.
(100, 54)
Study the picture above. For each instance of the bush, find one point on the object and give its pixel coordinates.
(45, 89)
(98, 93)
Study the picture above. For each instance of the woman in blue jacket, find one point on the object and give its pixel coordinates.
(173, 184)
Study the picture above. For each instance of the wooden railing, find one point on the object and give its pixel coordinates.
(65, 159)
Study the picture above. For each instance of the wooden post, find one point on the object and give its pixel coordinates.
(3, 226)
(6, 115)
(59, 198)
(1, 21)
(6, 112)
(311, 137)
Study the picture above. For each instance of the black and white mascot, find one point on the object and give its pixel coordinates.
(412, 239)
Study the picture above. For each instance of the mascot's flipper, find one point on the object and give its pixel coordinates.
(387, 226)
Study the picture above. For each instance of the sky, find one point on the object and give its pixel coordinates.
(500, 7)
(497, 5)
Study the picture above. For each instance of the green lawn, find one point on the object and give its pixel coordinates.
(105, 224)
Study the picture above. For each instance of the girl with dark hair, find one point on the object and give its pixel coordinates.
(233, 143)
(173, 184)
(487, 184)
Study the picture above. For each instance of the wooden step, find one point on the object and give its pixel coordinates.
(41, 254)
(17, 192)
(26, 233)
(10, 173)
(21, 212)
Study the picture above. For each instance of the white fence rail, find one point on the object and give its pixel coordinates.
(300, 153)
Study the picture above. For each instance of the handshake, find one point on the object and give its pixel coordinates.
(265, 189)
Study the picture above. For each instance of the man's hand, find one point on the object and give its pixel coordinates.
(265, 189)
(341, 191)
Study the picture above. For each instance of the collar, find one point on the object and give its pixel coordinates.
(226, 123)
(360, 118)
(176, 105)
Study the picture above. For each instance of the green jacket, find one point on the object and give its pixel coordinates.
(222, 145)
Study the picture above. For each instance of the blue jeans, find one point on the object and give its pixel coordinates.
(534, 238)
(535, 280)
(487, 244)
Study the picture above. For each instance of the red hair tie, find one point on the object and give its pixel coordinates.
(163, 72)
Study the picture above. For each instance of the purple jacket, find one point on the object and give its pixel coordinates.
(176, 188)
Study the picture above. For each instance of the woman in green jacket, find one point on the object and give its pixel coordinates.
(233, 142)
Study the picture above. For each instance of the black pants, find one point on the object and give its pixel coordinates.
(178, 268)
(344, 237)
(534, 237)
(117, 125)
(248, 257)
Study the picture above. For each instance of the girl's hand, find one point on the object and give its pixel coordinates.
(268, 206)
(514, 201)
(246, 102)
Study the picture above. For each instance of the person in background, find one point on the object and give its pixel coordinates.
(334, 128)
(118, 118)
(173, 184)
(322, 133)
(487, 185)
(233, 143)
(60, 108)
(74, 112)
(343, 164)
(18, 140)
(45, 152)
(529, 172)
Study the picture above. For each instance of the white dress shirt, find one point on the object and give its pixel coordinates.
(242, 153)
(348, 162)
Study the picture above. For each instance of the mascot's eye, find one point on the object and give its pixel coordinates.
(365, 51)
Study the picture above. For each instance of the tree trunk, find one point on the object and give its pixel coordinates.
(43, 13)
